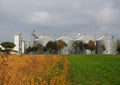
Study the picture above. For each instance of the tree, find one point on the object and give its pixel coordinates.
(118, 48)
(29, 49)
(60, 44)
(50, 46)
(86, 46)
(54, 45)
(78, 45)
(44, 49)
(102, 47)
(0, 48)
(39, 47)
(75, 45)
(8, 46)
(81, 46)
(91, 45)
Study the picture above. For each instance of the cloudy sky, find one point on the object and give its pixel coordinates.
(58, 16)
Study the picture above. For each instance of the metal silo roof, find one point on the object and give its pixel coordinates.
(44, 37)
(85, 37)
(105, 37)
(64, 38)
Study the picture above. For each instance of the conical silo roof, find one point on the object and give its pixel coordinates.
(64, 38)
(105, 37)
(44, 37)
(85, 38)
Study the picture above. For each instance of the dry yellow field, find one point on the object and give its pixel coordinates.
(33, 70)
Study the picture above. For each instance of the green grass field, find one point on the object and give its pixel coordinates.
(94, 69)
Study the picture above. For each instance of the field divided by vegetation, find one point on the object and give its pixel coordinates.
(94, 69)
(60, 70)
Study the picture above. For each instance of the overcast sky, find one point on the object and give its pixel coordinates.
(58, 16)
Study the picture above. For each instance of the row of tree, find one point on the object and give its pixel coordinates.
(57, 46)
(80, 46)
(51, 47)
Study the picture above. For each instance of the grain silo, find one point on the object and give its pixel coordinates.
(43, 40)
(106, 45)
(18, 43)
(85, 39)
(69, 41)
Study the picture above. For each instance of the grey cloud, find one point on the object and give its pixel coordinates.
(51, 16)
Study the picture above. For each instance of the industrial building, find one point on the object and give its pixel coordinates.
(43, 40)
(104, 45)
(109, 43)
(85, 39)
(69, 41)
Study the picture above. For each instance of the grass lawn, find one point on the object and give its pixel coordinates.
(94, 69)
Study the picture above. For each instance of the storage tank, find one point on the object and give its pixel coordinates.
(18, 43)
(69, 41)
(43, 40)
(106, 45)
(85, 39)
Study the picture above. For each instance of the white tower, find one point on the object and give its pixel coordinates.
(23, 47)
(18, 43)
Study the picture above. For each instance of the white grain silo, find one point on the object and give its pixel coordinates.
(69, 41)
(108, 43)
(18, 43)
(43, 40)
(85, 39)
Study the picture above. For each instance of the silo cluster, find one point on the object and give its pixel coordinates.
(103, 45)
(85, 39)
(106, 45)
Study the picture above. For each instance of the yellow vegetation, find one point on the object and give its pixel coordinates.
(33, 70)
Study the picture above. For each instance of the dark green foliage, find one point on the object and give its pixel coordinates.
(8, 45)
(34, 48)
(81, 46)
(44, 49)
(86, 46)
(51, 46)
(29, 49)
(37, 48)
(78, 45)
(75, 44)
